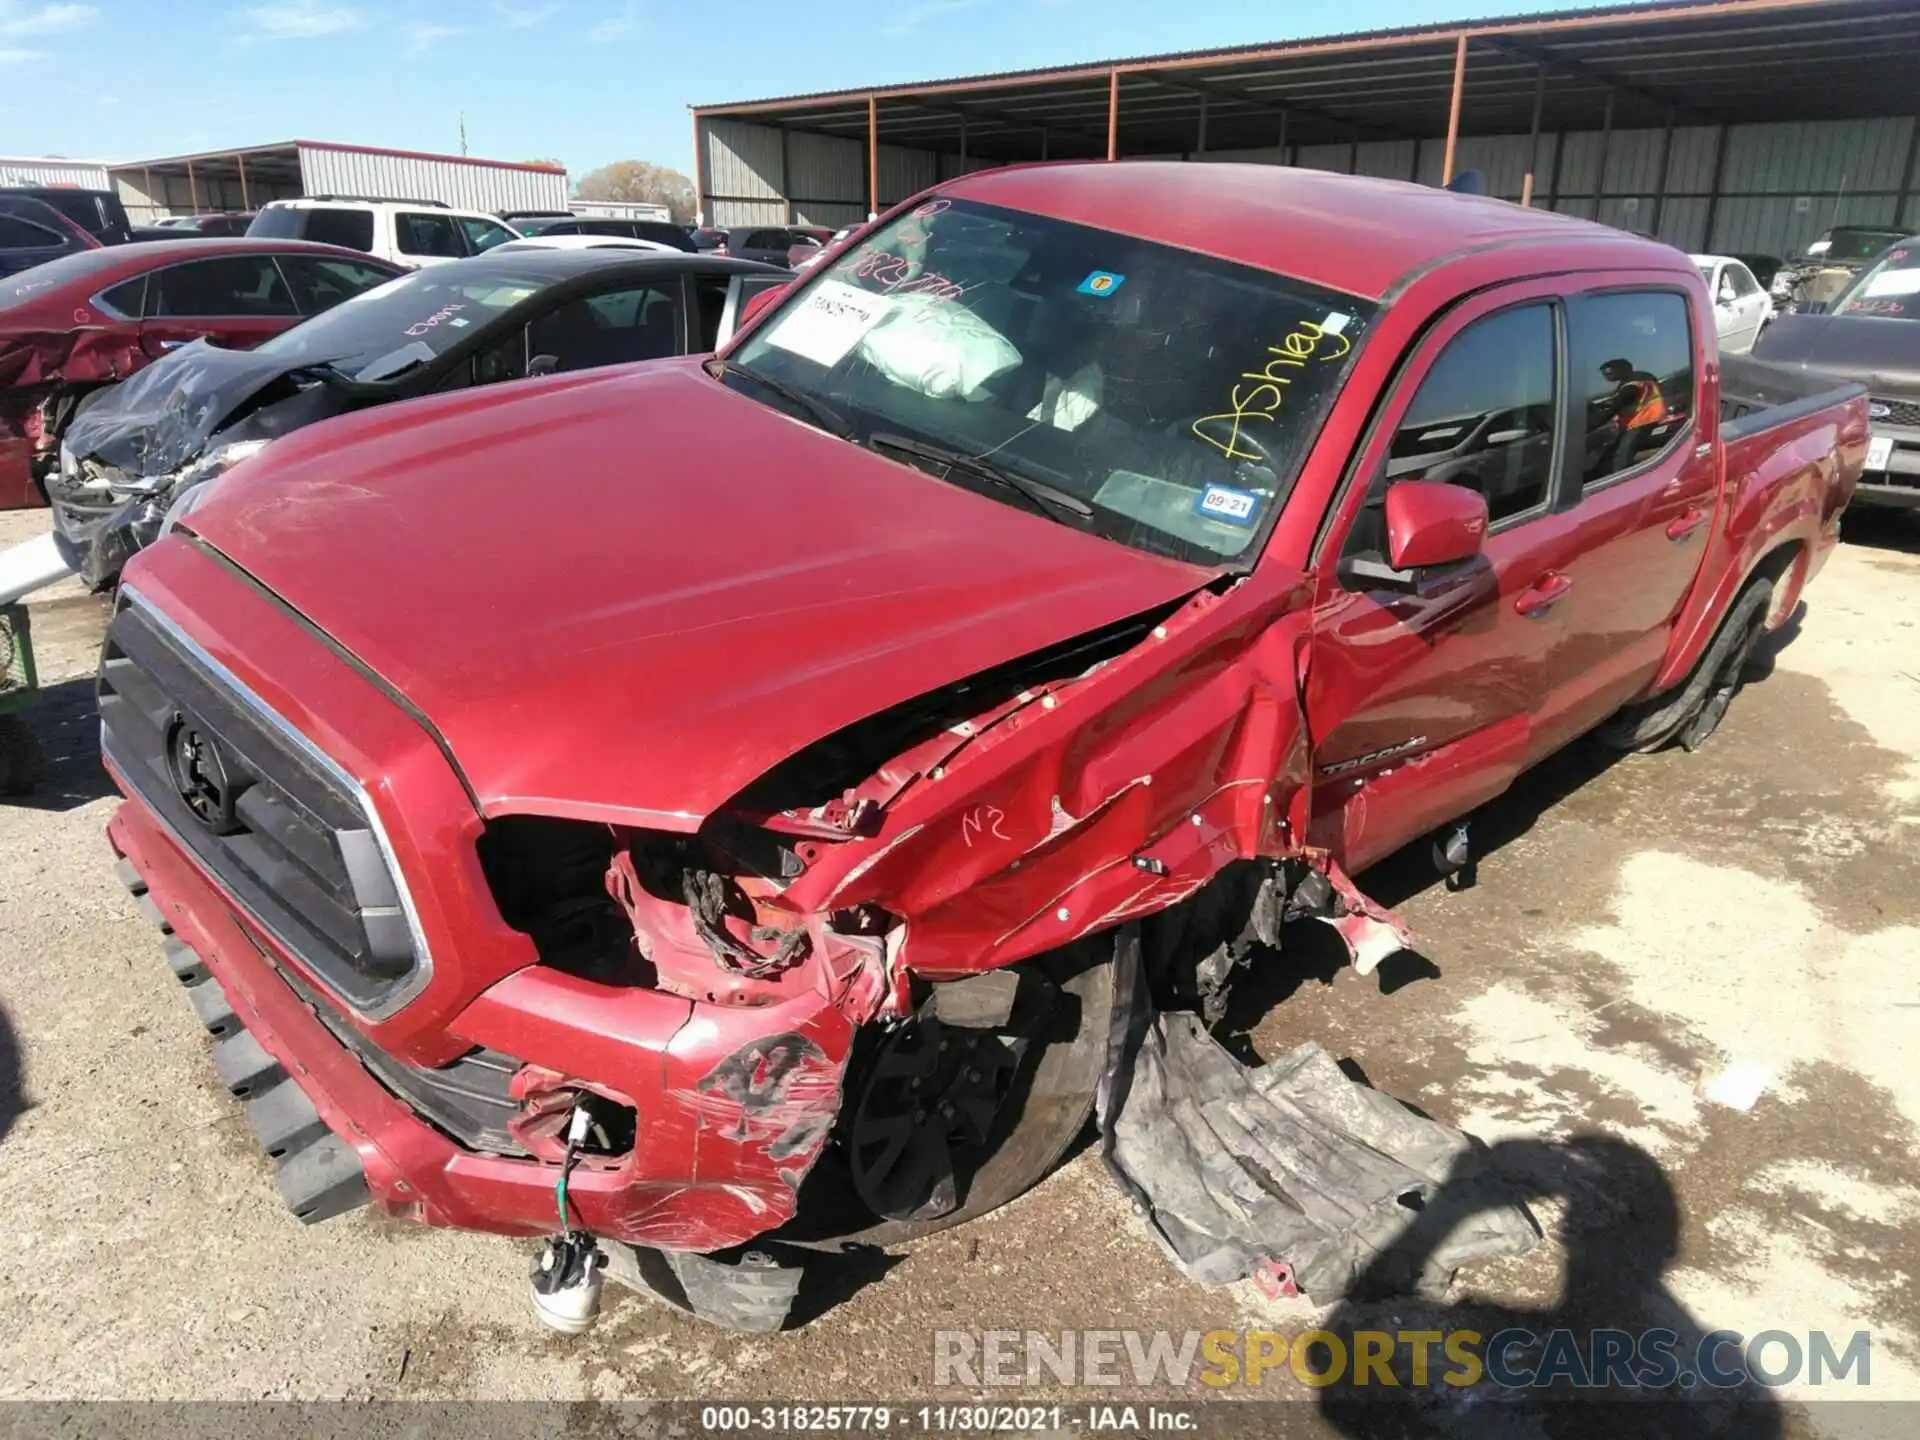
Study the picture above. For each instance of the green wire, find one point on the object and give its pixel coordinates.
(561, 1190)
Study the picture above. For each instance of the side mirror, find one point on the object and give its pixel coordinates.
(542, 365)
(1430, 522)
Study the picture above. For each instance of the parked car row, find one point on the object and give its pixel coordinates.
(1869, 331)
(136, 453)
(99, 314)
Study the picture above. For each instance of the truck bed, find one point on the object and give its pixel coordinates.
(1756, 395)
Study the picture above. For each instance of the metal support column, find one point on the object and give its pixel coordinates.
(1600, 165)
(1282, 145)
(1907, 178)
(963, 144)
(873, 158)
(1453, 109)
(1660, 192)
(786, 175)
(1200, 141)
(245, 202)
(1113, 115)
(193, 189)
(1533, 134)
(1713, 187)
(700, 196)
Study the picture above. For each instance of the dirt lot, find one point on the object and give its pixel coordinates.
(1640, 929)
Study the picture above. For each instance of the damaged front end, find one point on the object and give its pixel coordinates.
(915, 922)
(135, 457)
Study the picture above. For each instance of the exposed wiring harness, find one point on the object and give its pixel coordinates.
(578, 1124)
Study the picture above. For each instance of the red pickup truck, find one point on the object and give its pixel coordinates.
(710, 793)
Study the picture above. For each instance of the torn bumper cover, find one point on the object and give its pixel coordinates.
(737, 1102)
(1287, 1173)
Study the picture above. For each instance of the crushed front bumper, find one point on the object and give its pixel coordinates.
(740, 1105)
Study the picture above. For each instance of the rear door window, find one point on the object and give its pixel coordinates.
(232, 285)
(1630, 362)
(419, 232)
(615, 327)
(320, 282)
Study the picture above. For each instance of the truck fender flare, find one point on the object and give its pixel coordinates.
(1785, 555)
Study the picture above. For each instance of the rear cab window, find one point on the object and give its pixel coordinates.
(1173, 396)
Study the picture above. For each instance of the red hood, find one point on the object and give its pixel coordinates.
(627, 595)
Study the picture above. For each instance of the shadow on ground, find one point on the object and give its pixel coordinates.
(1877, 529)
(13, 1096)
(1614, 1318)
(66, 722)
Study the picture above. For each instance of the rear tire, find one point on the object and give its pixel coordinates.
(1693, 711)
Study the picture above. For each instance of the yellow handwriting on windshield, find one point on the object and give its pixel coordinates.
(1262, 392)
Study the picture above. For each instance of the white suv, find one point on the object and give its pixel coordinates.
(407, 232)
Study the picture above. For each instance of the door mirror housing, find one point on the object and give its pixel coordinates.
(1431, 523)
(542, 365)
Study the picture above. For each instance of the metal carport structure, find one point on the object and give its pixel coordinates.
(1741, 124)
(249, 176)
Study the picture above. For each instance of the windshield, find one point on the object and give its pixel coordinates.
(1160, 398)
(1852, 244)
(1706, 272)
(416, 317)
(1890, 289)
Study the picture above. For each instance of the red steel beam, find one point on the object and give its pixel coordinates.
(1453, 112)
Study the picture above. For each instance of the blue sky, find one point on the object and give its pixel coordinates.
(583, 81)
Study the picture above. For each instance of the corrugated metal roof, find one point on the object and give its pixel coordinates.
(1698, 62)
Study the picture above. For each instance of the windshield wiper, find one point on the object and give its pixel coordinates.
(1041, 498)
(822, 414)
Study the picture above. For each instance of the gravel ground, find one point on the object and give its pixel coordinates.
(1641, 930)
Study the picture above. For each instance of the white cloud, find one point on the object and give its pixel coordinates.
(300, 20)
(47, 20)
(619, 26)
(18, 57)
(425, 36)
(912, 18)
(521, 17)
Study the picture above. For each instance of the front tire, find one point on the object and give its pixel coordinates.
(1052, 1099)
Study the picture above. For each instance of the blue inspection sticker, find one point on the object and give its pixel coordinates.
(1102, 282)
(1223, 502)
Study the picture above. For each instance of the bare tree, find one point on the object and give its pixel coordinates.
(638, 180)
(549, 164)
